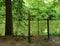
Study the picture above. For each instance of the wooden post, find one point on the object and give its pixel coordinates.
(28, 26)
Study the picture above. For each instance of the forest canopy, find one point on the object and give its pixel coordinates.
(41, 9)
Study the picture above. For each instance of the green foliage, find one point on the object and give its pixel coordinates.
(38, 8)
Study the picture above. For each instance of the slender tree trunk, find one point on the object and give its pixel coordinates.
(38, 18)
(8, 24)
(29, 27)
(38, 25)
(48, 27)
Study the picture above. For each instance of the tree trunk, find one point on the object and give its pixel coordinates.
(38, 25)
(48, 28)
(29, 27)
(8, 24)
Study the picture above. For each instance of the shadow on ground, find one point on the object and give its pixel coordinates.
(23, 41)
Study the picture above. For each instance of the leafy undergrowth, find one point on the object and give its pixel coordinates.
(35, 41)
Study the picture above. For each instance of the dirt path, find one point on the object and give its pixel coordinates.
(35, 41)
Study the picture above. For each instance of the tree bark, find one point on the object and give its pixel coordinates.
(29, 27)
(48, 28)
(38, 25)
(9, 23)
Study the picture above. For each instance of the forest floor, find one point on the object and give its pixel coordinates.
(23, 41)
